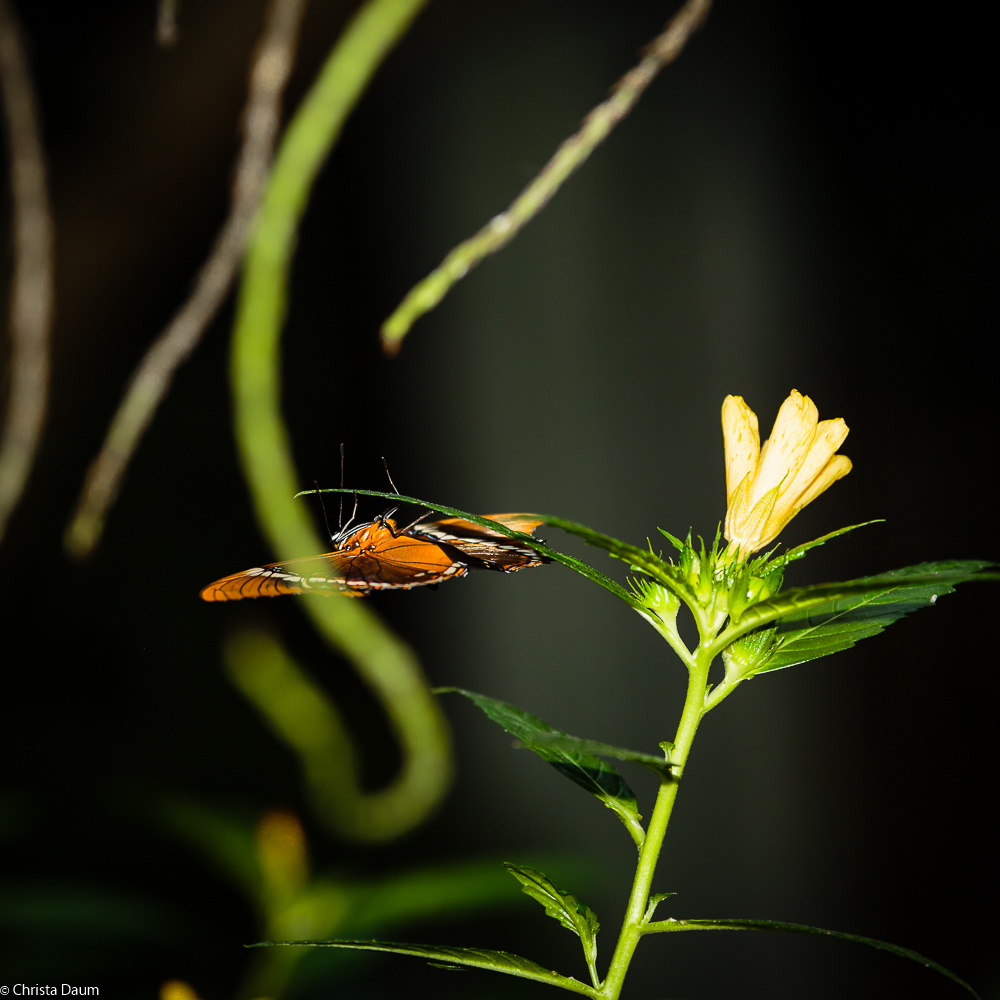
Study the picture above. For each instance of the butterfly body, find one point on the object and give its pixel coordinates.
(380, 556)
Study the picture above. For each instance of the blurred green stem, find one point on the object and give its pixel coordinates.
(385, 663)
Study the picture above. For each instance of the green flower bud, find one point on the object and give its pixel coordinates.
(747, 655)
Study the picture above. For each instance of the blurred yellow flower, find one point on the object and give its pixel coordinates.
(767, 486)
(176, 989)
(281, 853)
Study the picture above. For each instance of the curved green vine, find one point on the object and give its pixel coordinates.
(387, 664)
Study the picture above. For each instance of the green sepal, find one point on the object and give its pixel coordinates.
(562, 906)
(694, 574)
(672, 924)
(749, 589)
(653, 596)
(673, 539)
(472, 958)
(654, 902)
(577, 759)
(748, 655)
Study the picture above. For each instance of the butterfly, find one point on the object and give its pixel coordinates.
(380, 556)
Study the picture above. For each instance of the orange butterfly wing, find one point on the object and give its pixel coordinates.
(518, 522)
(372, 557)
(491, 548)
(385, 560)
(315, 574)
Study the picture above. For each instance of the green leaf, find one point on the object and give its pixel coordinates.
(545, 735)
(640, 558)
(777, 925)
(643, 560)
(800, 550)
(449, 889)
(837, 615)
(575, 758)
(473, 958)
(562, 906)
(226, 839)
(572, 562)
(60, 915)
(814, 642)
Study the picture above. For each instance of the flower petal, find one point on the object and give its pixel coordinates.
(787, 447)
(835, 469)
(742, 439)
(830, 435)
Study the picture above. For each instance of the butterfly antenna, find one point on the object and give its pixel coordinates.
(413, 524)
(391, 483)
(402, 531)
(340, 516)
(350, 520)
(322, 505)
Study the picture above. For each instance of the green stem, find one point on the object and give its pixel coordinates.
(568, 158)
(385, 663)
(634, 924)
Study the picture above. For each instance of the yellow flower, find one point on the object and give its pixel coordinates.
(767, 486)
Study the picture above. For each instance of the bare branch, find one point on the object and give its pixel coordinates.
(166, 23)
(31, 294)
(570, 156)
(152, 379)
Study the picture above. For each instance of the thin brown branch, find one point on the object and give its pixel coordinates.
(31, 292)
(569, 157)
(152, 379)
(167, 31)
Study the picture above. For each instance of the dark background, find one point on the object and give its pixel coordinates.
(802, 200)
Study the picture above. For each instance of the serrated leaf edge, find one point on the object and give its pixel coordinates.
(673, 924)
(630, 817)
(473, 958)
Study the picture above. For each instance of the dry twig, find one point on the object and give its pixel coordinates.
(166, 23)
(151, 380)
(31, 292)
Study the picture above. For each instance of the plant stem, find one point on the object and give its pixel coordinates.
(384, 662)
(31, 286)
(633, 926)
(569, 157)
